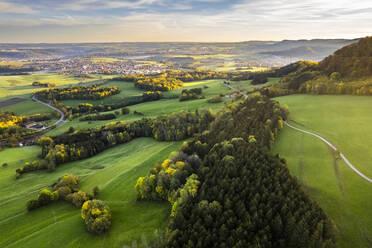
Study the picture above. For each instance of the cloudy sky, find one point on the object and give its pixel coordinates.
(186, 20)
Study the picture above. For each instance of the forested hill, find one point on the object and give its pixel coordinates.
(352, 61)
(347, 71)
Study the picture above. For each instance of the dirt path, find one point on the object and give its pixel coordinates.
(334, 148)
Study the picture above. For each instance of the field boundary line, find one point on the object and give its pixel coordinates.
(334, 148)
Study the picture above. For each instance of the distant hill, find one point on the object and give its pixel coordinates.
(314, 50)
(271, 53)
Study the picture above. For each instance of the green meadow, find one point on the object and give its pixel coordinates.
(346, 122)
(27, 107)
(20, 85)
(246, 85)
(132, 221)
(155, 108)
(344, 195)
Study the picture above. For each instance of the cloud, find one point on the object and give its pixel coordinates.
(196, 20)
(13, 8)
(109, 4)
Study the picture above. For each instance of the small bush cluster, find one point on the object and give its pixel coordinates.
(97, 216)
(125, 110)
(215, 99)
(67, 189)
(191, 94)
(98, 117)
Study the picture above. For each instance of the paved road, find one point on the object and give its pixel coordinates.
(232, 88)
(334, 148)
(61, 119)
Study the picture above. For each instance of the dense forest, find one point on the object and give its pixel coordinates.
(78, 92)
(227, 190)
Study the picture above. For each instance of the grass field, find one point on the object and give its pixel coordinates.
(164, 106)
(246, 84)
(346, 122)
(60, 224)
(127, 89)
(27, 107)
(20, 85)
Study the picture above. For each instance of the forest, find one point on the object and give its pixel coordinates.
(78, 92)
(226, 188)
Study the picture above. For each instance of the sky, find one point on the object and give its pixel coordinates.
(61, 21)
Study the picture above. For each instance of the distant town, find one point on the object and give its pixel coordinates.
(89, 66)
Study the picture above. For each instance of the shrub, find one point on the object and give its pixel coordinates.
(32, 204)
(97, 216)
(215, 99)
(137, 113)
(98, 117)
(78, 198)
(125, 111)
(63, 192)
(95, 191)
(45, 197)
(68, 180)
(191, 94)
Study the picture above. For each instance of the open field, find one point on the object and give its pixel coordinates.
(21, 84)
(164, 106)
(344, 195)
(246, 84)
(127, 89)
(27, 107)
(60, 224)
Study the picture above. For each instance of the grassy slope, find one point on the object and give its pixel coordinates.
(61, 223)
(346, 197)
(246, 84)
(126, 89)
(165, 106)
(27, 107)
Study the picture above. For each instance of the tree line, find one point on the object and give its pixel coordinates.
(79, 144)
(77, 92)
(191, 94)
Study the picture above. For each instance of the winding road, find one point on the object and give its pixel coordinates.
(232, 88)
(317, 136)
(60, 120)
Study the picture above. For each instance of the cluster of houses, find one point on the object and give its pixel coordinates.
(88, 66)
(34, 125)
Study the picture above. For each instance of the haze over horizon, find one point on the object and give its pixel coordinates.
(68, 21)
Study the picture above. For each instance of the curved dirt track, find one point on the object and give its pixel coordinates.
(334, 148)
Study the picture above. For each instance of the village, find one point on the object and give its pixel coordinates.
(85, 66)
